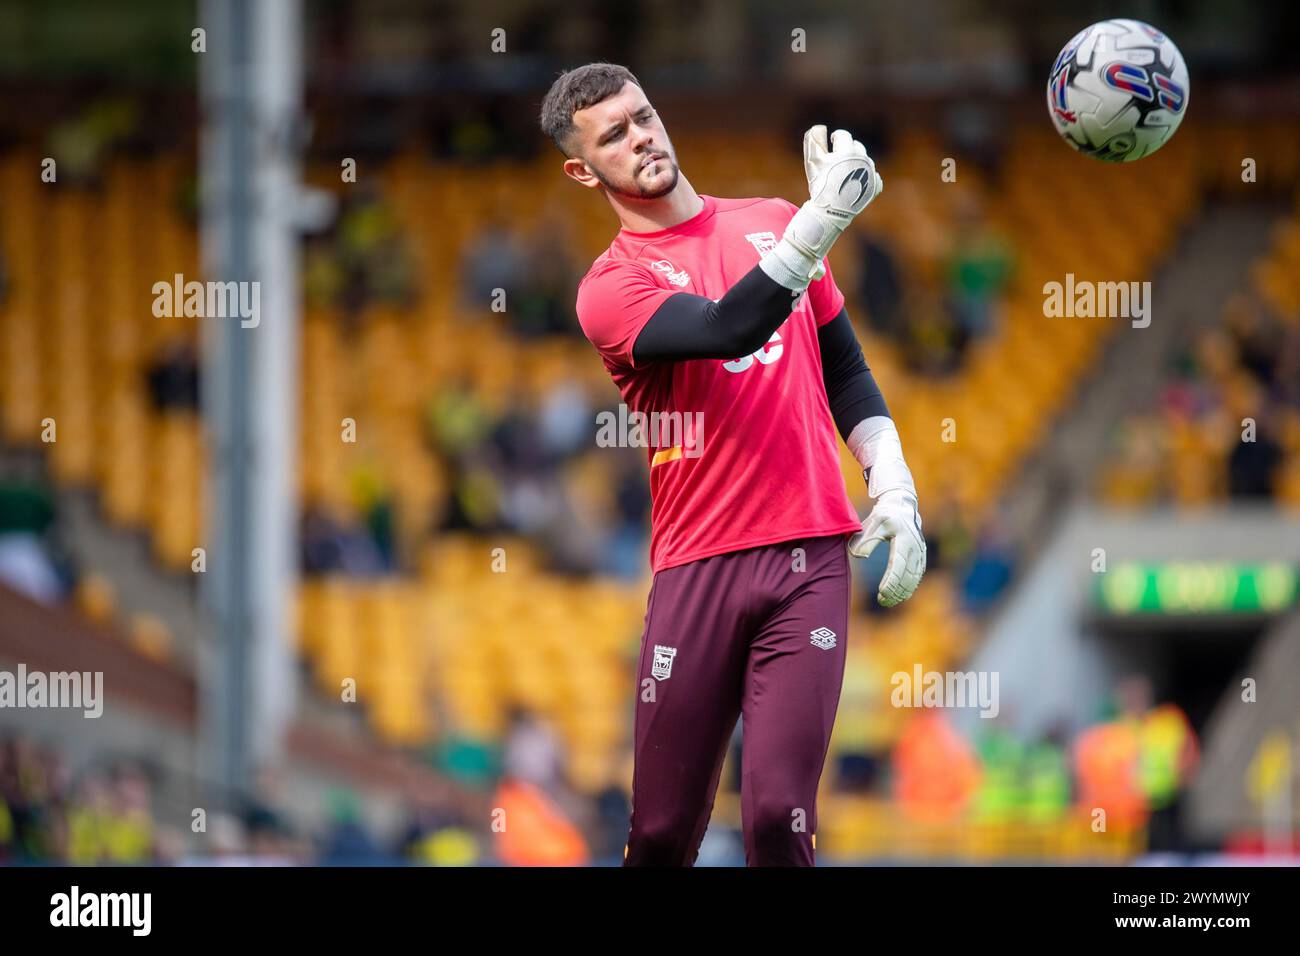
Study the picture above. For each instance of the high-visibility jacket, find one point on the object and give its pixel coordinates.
(1106, 759)
(936, 774)
(1046, 782)
(999, 797)
(1167, 753)
(533, 831)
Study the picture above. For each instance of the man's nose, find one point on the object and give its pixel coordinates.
(642, 139)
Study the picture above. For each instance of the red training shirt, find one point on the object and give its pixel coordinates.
(764, 466)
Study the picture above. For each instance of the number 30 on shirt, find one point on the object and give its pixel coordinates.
(766, 355)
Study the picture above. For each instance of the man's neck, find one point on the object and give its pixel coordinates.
(651, 215)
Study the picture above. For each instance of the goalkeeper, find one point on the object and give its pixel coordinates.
(724, 314)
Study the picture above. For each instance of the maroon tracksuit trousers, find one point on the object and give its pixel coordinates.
(758, 634)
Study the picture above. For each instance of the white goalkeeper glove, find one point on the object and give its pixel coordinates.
(842, 181)
(895, 517)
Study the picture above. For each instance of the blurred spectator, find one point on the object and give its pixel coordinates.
(106, 817)
(936, 341)
(978, 267)
(948, 542)
(469, 761)
(535, 271)
(269, 834)
(533, 753)
(104, 814)
(999, 798)
(458, 422)
(975, 133)
(328, 547)
(1227, 406)
(861, 761)
(935, 771)
(538, 833)
(613, 811)
(362, 261)
(110, 822)
(565, 420)
(436, 833)
(485, 128)
(27, 561)
(1137, 765)
(174, 378)
(573, 535)
(1047, 779)
(1168, 754)
(82, 143)
(544, 306)
(625, 553)
(990, 568)
(517, 438)
(27, 831)
(373, 252)
(881, 286)
(473, 497)
(1253, 465)
(495, 259)
(535, 798)
(1258, 340)
(346, 842)
(373, 500)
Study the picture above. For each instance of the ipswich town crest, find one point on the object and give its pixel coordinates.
(662, 669)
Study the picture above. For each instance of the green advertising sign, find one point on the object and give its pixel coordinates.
(1197, 587)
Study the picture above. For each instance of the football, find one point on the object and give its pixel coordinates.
(1118, 90)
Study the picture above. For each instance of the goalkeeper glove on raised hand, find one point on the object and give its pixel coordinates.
(895, 517)
(842, 181)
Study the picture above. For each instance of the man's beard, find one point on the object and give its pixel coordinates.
(640, 192)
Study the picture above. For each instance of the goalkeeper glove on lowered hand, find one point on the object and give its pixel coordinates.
(842, 181)
(895, 517)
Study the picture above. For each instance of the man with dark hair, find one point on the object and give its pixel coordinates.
(720, 320)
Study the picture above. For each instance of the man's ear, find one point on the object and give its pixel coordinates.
(578, 170)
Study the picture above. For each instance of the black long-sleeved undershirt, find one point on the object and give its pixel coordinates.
(851, 389)
(688, 326)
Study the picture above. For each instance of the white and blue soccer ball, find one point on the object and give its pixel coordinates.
(1118, 90)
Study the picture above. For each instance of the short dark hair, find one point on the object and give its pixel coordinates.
(578, 89)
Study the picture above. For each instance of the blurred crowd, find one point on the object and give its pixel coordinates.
(50, 815)
(536, 269)
(533, 469)
(503, 804)
(936, 316)
(523, 464)
(1135, 761)
(360, 259)
(1227, 417)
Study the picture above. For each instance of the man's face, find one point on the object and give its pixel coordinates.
(625, 147)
